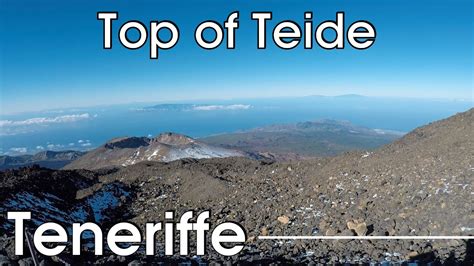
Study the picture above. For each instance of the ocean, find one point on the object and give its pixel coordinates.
(86, 128)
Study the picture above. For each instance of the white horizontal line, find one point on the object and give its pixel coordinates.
(367, 237)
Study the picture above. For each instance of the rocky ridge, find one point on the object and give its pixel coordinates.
(164, 148)
(50, 159)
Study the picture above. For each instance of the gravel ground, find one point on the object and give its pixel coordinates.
(421, 185)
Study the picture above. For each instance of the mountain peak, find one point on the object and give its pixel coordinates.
(165, 147)
(171, 138)
(127, 142)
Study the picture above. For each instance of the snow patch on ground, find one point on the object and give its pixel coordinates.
(199, 152)
(46, 207)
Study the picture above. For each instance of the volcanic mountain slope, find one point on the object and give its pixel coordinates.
(49, 159)
(164, 148)
(407, 188)
(420, 185)
(305, 139)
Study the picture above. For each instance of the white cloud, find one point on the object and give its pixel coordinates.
(222, 107)
(15, 127)
(19, 150)
(54, 146)
(72, 144)
(39, 147)
(46, 120)
(84, 143)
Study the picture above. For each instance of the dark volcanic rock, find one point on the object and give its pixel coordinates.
(420, 185)
(127, 142)
(49, 159)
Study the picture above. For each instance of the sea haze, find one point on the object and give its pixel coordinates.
(86, 128)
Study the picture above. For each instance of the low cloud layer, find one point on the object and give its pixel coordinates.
(46, 120)
(221, 107)
(15, 127)
(19, 150)
(84, 143)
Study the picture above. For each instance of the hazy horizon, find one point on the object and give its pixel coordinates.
(210, 100)
(83, 128)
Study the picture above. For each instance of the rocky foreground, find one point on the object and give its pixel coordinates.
(420, 185)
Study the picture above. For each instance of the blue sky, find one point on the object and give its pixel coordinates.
(52, 57)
